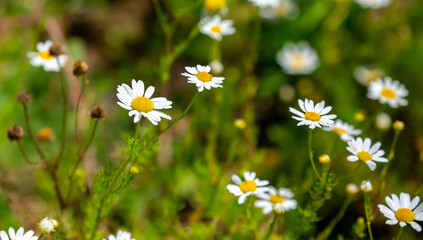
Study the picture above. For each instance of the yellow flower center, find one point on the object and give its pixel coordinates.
(297, 61)
(214, 5)
(364, 156)
(312, 116)
(276, 199)
(248, 186)
(387, 93)
(142, 104)
(216, 29)
(45, 55)
(339, 130)
(204, 77)
(404, 215)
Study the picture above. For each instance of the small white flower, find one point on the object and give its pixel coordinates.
(367, 74)
(366, 186)
(365, 152)
(351, 188)
(383, 121)
(251, 186)
(388, 91)
(47, 225)
(121, 235)
(141, 104)
(373, 3)
(216, 28)
(297, 58)
(216, 66)
(18, 235)
(401, 210)
(285, 9)
(313, 116)
(344, 130)
(265, 3)
(45, 59)
(201, 77)
(280, 200)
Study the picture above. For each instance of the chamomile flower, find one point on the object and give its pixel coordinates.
(279, 200)
(344, 130)
(367, 74)
(313, 115)
(388, 91)
(365, 152)
(366, 186)
(47, 225)
(297, 58)
(400, 210)
(216, 28)
(43, 57)
(284, 9)
(121, 235)
(201, 77)
(18, 235)
(140, 103)
(265, 3)
(373, 3)
(251, 186)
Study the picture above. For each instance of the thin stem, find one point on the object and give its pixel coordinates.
(328, 230)
(370, 119)
(78, 103)
(390, 157)
(65, 114)
(41, 236)
(310, 155)
(24, 154)
(368, 209)
(401, 229)
(272, 225)
(31, 135)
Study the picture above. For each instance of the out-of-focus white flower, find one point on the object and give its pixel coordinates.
(365, 152)
(285, 9)
(401, 211)
(121, 235)
(344, 130)
(352, 189)
(367, 74)
(216, 67)
(366, 186)
(251, 186)
(45, 59)
(264, 3)
(201, 77)
(47, 225)
(18, 235)
(388, 91)
(216, 28)
(297, 58)
(375, 4)
(313, 115)
(280, 200)
(383, 121)
(286, 93)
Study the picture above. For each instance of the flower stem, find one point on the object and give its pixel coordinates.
(310, 155)
(31, 135)
(401, 229)
(368, 211)
(272, 225)
(328, 230)
(65, 114)
(24, 154)
(78, 103)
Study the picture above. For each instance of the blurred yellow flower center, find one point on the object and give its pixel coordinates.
(214, 5)
(276, 199)
(216, 29)
(297, 61)
(142, 104)
(45, 55)
(248, 186)
(204, 77)
(388, 93)
(364, 156)
(312, 116)
(339, 130)
(404, 215)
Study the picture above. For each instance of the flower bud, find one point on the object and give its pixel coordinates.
(47, 225)
(45, 135)
(383, 121)
(240, 123)
(352, 189)
(80, 68)
(360, 116)
(214, 5)
(134, 170)
(56, 49)
(15, 132)
(324, 159)
(398, 125)
(24, 97)
(366, 186)
(98, 113)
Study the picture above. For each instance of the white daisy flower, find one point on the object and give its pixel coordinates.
(297, 58)
(279, 200)
(265, 3)
(45, 59)
(141, 104)
(344, 130)
(366, 186)
(216, 28)
(388, 91)
(373, 3)
(47, 225)
(18, 235)
(401, 210)
(251, 186)
(313, 116)
(284, 9)
(366, 152)
(202, 78)
(121, 235)
(367, 74)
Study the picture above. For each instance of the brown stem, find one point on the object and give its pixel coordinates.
(78, 103)
(24, 154)
(65, 113)
(31, 135)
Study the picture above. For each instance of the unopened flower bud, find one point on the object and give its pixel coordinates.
(366, 186)
(56, 49)
(134, 170)
(214, 5)
(15, 132)
(360, 220)
(324, 159)
(398, 125)
(98, 113)
(360, 116)
(80, 68)
(352, 189)
(240, 123)
(47, 225)
(24, 97)
(45, 135)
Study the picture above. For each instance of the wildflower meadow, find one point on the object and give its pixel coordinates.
(211, 119)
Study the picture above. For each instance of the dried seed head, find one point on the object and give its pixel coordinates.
(15, 132)
(45, 135)
(98, 113)
(24, 97)
(80, 68)
(57, 49)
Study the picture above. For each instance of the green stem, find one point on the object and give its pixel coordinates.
(24, 154)
(31, 135)
(78, 103)
(328, 230)
(370, 119)
(310, 155)
(401, 229)
(368, 211)
(65, 114)
(272, 225)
